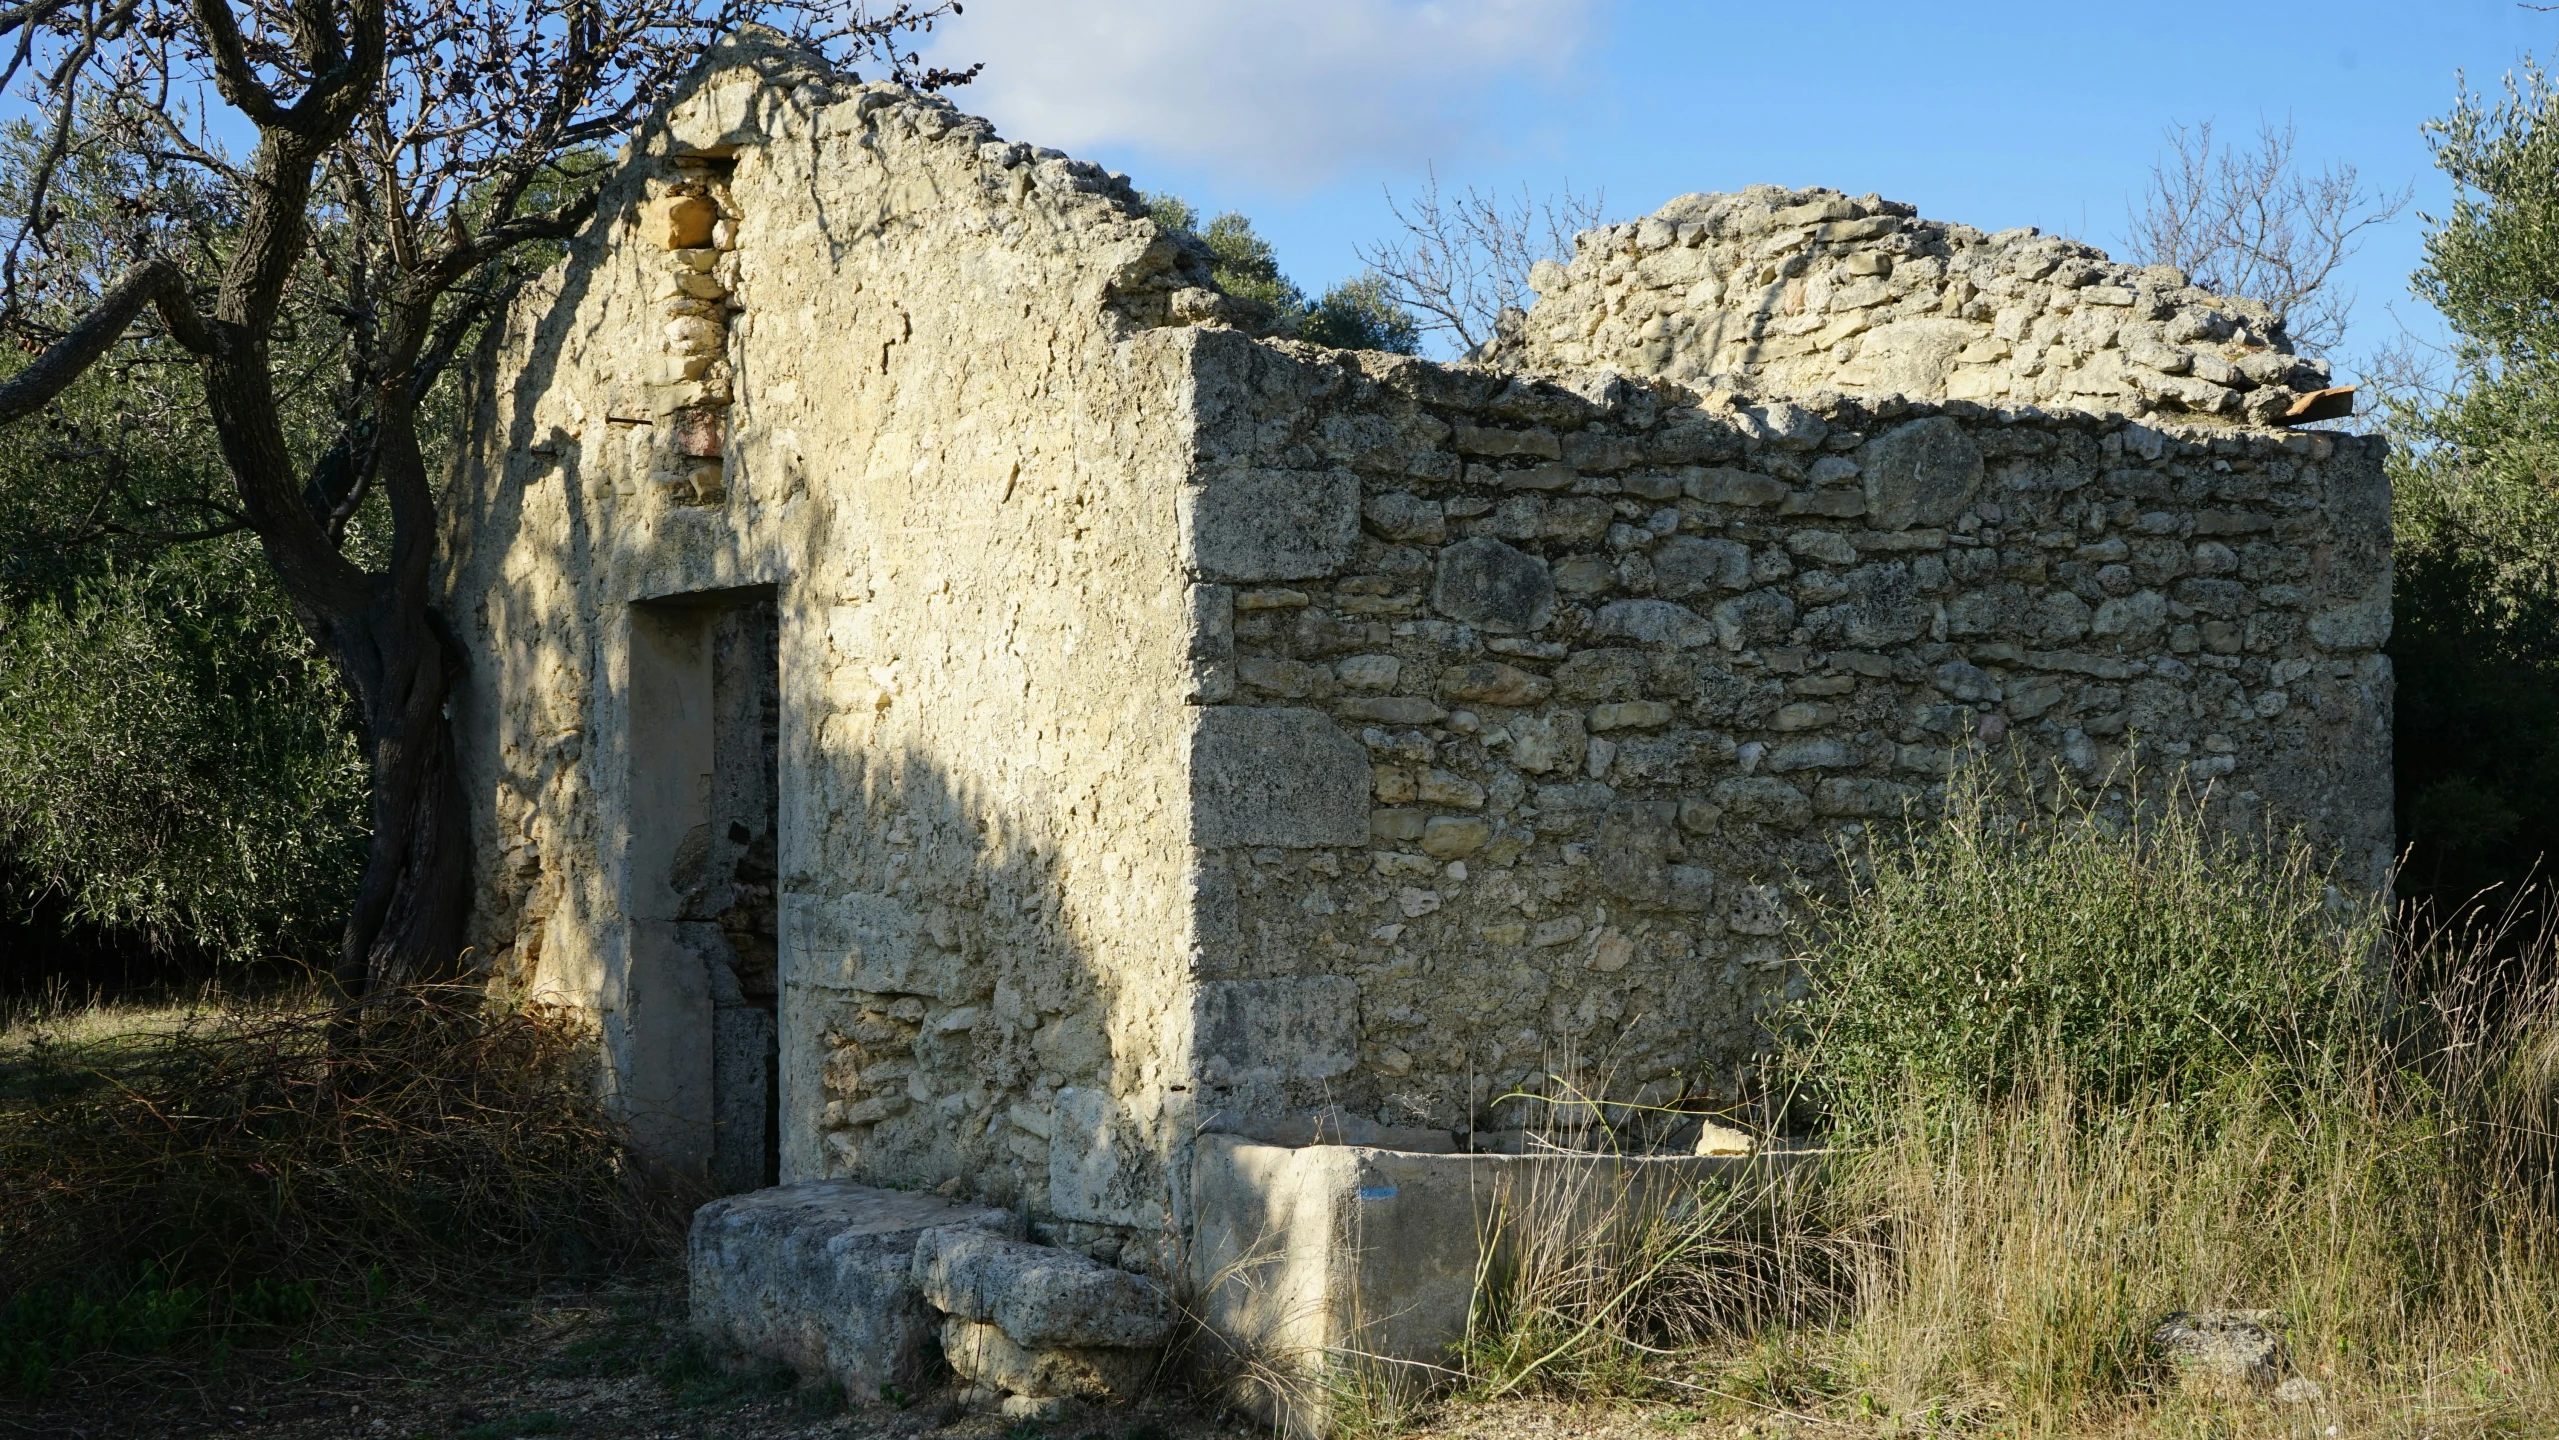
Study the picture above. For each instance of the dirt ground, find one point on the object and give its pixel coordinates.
(610, 1362)
(613, 1363)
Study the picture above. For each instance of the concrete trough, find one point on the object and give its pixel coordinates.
(1312, 1264)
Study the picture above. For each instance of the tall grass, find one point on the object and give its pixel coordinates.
(2014, 1255)
(239, 1175)
(2079, 1070)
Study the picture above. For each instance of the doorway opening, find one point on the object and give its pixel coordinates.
(704, 989)
(740, 896)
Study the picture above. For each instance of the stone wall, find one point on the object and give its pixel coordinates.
(840, 348)
(1789, 292)
(1624, 667)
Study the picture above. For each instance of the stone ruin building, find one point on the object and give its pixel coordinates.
(967, 715)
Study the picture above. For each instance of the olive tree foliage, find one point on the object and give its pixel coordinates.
(177, 769)
(1355, 314)
(1463, 260)
(2246, 219)
(2476, 509)
(413, 159)
(175, 762)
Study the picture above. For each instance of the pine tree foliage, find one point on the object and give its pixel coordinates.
(1355, 314)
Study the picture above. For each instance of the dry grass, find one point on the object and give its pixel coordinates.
(196, 1178)
(2013, 1258)
(1996, 1266)
(2014, 1218)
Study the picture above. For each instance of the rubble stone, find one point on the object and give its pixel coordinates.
(1493, 586)
(1738, 296)
(985, 1354)
(2226, 1349)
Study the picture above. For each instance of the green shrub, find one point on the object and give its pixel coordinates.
(2089, 1067)
(1359, 314)
(1356, 314)
(176, 761)
(179, 769)
(2138, 948)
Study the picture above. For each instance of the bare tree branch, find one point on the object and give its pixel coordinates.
(2402, 377)
(1464, 259)
(2245, 221)
(17, 19)
(235, 78)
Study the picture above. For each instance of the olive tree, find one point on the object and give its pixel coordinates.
(2476, 512)
(411, 160)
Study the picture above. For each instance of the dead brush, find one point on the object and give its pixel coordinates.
(243, 1172)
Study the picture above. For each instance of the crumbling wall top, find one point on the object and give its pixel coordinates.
(1782, 292)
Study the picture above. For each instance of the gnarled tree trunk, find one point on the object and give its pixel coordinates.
(406, 923)
(490, 106)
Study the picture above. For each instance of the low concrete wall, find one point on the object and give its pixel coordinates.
(1312, 1264)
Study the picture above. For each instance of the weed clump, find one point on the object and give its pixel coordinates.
(2132, 945)
(2078, 1068)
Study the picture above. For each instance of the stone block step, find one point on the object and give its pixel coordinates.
(820, 1276)
(1040, 1296)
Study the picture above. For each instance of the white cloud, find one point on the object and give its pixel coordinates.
(1282, 92)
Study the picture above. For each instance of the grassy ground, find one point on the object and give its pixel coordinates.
(609, 1361)
(203, 1191)
(2076, 1069)
(2011, 1257)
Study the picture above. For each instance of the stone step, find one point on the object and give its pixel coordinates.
(1040, 1296)
(820, 1276)
(986, 1355)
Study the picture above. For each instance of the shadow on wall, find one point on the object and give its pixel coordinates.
(946, 1020)
(814, 956)
(963, 966)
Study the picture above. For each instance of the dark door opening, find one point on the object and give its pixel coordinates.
(746, 727)
(705, 742)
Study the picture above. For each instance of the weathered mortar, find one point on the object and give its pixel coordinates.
(1179, 729)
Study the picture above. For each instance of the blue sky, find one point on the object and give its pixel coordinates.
(1993, 113)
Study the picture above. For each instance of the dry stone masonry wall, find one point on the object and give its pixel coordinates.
(1622, 668)
(1790, 292)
